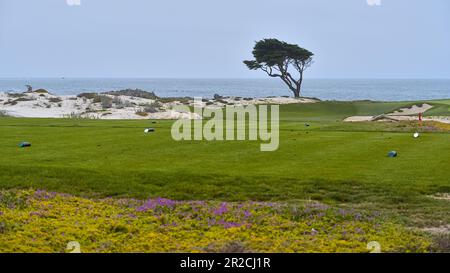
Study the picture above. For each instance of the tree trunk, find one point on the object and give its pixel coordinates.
(298, 87)
(297, 90)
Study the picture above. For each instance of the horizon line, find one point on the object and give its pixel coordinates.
(216, 78)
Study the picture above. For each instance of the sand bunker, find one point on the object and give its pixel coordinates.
(403, 114)
(414, 110)
(359, 119)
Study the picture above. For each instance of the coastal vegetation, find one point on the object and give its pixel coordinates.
(37, 220)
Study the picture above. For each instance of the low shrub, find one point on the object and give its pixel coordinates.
(74, 115)
(120, 104)
(138, 93)
(141, 113)
(55, 99)
(10, 102)
(21, 99)
(174, 99)
(16, 95)
(152, 107)
(89, 96)
(41, 91)
(106, 101)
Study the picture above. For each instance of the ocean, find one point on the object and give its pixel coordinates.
(325, 89)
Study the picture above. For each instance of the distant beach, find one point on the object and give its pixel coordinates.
(324, 89)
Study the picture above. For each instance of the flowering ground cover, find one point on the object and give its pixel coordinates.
(41, 221)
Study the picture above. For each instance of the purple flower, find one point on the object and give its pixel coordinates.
(358, 216)
(247, 213)
(319, 206)
(163, 202)
(158, 202)
(223, 208)
(36, 213)
(44, 194)
(359, 231)
(211, 222)
(321, 214)
(342, 212)
(231, 224)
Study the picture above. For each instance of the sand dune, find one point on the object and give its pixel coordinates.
(105, 106)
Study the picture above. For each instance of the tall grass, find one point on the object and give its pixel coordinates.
(74, 115)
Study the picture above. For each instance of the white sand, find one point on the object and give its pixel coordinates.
(438, 230)
(414, 110)
(397, 118)
(358, 119)
(52, 106)
(441, 196)
(404, 114)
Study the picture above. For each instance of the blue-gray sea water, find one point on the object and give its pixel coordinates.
(325, 89)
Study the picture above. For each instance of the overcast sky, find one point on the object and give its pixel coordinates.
(210, 38)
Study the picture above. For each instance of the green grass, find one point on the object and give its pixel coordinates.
(441, 108)
(329, 161)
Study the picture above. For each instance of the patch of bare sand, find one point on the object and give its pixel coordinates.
(441, 196)
(359, 119)
(403, 114)
(438, 230)
(414, 110)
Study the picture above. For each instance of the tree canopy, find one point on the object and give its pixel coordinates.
(280, 59)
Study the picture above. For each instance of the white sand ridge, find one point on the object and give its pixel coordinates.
(41, 104)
